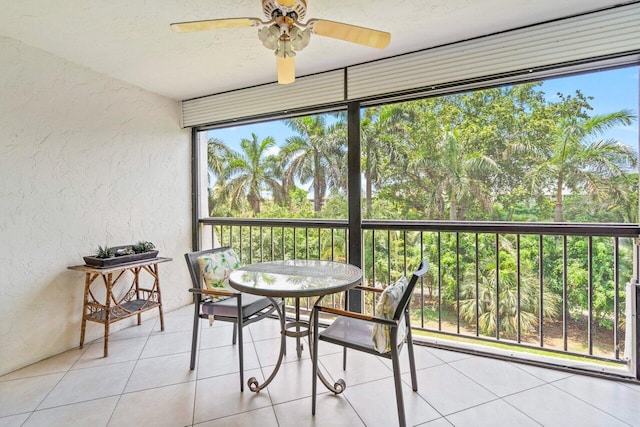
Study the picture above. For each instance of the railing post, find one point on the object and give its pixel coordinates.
(632, 329)
(633, 299)
(635, 293)
(635, 324)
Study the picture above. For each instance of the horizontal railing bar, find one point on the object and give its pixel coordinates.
(561, 229)
(264, 222)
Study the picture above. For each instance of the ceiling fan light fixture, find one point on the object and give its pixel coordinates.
(285, 49)
(299, 38)
(269, 36)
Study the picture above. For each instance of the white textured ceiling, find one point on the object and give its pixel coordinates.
(131, 40)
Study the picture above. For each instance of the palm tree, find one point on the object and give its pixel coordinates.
(249, 174)
(508, 308)
(458, 175)
(380, 135)
(572, 162)
(527, 302)
(217, 156)
(317, 154)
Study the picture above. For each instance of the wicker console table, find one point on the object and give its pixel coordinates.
(135, 301)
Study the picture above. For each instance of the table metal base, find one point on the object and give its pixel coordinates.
(296, 329)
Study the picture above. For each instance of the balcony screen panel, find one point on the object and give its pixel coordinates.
(319, 89)
(598, 35)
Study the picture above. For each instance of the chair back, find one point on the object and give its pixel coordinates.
(406, 296)
(194, 268)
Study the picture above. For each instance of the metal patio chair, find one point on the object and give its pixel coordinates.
(355, 331)
(230, 306)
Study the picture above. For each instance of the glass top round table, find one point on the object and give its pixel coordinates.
(295, 278)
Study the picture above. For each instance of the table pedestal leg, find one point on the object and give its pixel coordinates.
(339, 386)
(253, 383)
(297, 326)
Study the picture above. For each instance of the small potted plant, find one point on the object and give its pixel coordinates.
(105, 252)
(143, 246)
(109, 256)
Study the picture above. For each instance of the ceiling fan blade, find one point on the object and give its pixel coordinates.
(214, 24)
(286, 3)
(350, 33)
(286, 69)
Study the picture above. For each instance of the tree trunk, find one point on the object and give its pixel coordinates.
(453, 210)
(367, 177)
(254, 202)
(317, 196)
(558, 216)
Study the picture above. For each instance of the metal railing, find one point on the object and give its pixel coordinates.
(557, 287)
(257, 240)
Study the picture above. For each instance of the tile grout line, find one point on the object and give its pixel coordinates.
(343, 395)
(408, 384)
(197, 367)
(518, 409)
(56, 384)
(587, 403)
(124, 387)
(501, 397)
(71, 368)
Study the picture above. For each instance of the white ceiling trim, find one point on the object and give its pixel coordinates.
(596, 35)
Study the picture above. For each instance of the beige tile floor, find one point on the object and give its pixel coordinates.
(146, 381)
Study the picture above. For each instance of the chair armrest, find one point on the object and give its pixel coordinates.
(369, 288)
(353, 315)
(221, 293)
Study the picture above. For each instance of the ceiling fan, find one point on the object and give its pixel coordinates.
(285, 34)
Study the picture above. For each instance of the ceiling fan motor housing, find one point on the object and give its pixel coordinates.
(272, 9)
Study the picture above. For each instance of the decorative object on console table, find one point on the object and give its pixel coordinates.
(116, 255)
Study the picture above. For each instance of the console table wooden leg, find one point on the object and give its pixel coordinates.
(161, 318)
(136, 282)
(106, 340)
(87, 283)
(107, 315)
(157, 286)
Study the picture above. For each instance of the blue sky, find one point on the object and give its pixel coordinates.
(612, 90)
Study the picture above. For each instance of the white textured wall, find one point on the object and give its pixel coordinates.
(84, 160)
